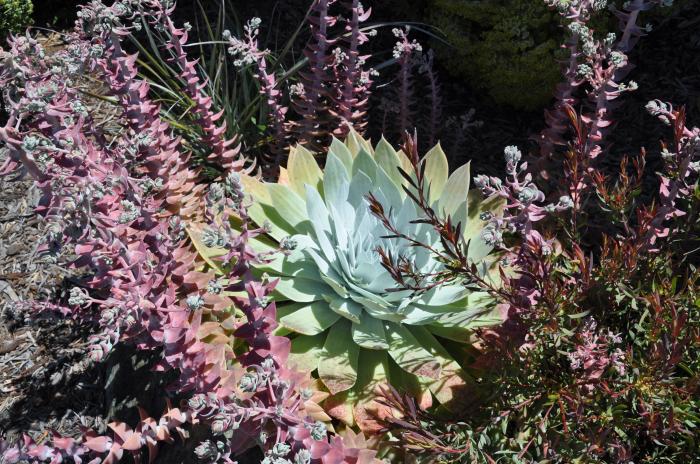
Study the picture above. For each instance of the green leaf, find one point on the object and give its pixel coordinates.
(301, 290)
(339, 149)
(310, 320)
(374, 368)
(450, 382)
(369, 333)
(459, 326)
(365, 163)
(455, 192)
(408, 353)
(388, 159)
(355, 143)
(262, 209)
(336, 182)
(306, 351)
(303, 170)
(337, 366)
(347, 308)
(580, 315)
(288, 203)
(436, 172)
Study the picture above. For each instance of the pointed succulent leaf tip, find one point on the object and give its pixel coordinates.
(303, 170)
(454, 196)
(336, 293)
(436, 171)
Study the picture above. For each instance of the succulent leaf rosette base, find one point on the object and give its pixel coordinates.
(347, 317)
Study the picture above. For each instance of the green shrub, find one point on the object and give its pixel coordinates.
(15, 15)
(505, 47)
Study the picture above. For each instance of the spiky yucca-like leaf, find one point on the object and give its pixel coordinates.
(346, 315)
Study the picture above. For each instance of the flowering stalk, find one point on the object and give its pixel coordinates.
(225, 152)
(681, 170)
(434, 120)
(352, 82)
(312, 104)
(404, 52)
(598, 66)
(247, 52)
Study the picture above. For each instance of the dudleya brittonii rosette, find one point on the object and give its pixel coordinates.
(341, 307)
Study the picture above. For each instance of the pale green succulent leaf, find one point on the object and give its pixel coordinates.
(443, 295)
(301, 289)
(286, 200)
(389, 160)
(455, 193)
(406, 166)
(262, 211)
(450, 382)
(335, 181)
(436, 172)
(460, 327)
(255, 188)
(303, 170)
(360, 185)
(332, 280)
(365, 163)
(282, 309)
(337, 365)
(393, 193)
(290, 264)
(369, 333)
(339, 149)
(306, 351)
(346, 308)
(310, 319)
(408, 353)
(318, 215)
(355, 144)
(378, 310)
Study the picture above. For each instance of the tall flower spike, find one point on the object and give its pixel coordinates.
(225, 152)
(246, 52)
(353, 83)
(313, 104)
(600, 63)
